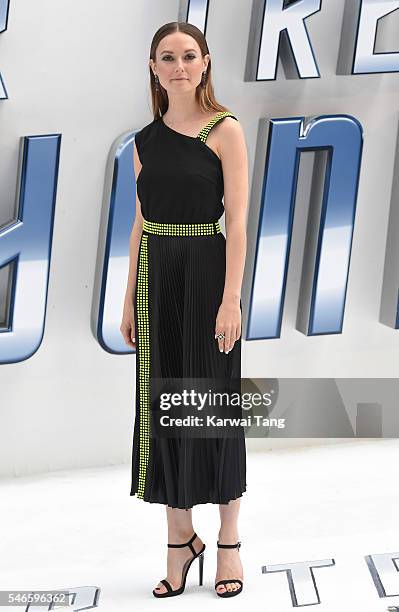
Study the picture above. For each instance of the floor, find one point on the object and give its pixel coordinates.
(82, 530)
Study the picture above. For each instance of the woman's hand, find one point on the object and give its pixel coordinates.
(228, 320)
(127, 326)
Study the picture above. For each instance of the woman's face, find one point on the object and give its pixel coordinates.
(179, 63)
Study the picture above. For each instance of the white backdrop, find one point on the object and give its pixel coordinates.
(80, 69)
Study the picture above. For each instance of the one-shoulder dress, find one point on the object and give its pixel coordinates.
(181, 270)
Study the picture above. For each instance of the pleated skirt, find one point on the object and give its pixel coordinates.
(180, 284)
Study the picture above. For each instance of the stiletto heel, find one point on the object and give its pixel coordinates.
(201, 568)
(170, 592)
(224, 582)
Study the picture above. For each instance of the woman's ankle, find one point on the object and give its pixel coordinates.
(180, 535)
(228, 535)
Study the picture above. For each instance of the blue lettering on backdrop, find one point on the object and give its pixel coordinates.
(281, 30)
(120, 213)
(326, 275)
(26, 245)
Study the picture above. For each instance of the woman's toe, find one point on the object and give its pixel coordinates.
(221, 588)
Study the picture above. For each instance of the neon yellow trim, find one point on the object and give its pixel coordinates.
(144, 362)
(182, 229)
(203, 135)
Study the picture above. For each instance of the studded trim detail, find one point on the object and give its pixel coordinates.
(182, 229)
(203, 135)
(144, 362)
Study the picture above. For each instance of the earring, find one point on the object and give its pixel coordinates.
(156, 82)
(203, 79)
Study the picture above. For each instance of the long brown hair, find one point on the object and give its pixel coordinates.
(205, 96)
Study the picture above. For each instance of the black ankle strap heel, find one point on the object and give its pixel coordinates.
(170, 592)
(231, 580)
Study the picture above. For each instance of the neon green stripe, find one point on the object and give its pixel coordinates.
(203, 135)
(181, 229)
(144, 362)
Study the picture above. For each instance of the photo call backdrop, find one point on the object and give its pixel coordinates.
(315, 86)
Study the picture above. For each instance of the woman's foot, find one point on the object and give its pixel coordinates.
(229, 564)
(177, 558)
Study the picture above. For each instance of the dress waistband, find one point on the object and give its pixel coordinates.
(182, 229)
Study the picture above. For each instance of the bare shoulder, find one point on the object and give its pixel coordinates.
(226, 136)
(230, 129)
(229, 135)
(230, 144)
(231, 120)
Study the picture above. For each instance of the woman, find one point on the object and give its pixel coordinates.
(183, 295)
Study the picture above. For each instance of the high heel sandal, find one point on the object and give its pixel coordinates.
(231, 580)
(170, 592)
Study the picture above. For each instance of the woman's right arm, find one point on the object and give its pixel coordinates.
(127, 326)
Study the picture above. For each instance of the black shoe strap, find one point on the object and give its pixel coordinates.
(189, 543)
(167, 584)
(237, 545)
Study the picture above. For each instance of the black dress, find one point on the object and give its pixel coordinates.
(180, 282)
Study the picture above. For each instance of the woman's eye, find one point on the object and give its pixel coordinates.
(190, 56)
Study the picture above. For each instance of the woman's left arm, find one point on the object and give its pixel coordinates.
(233, 153)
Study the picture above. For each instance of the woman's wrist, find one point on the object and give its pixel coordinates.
(129, 296)
(233, 299)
